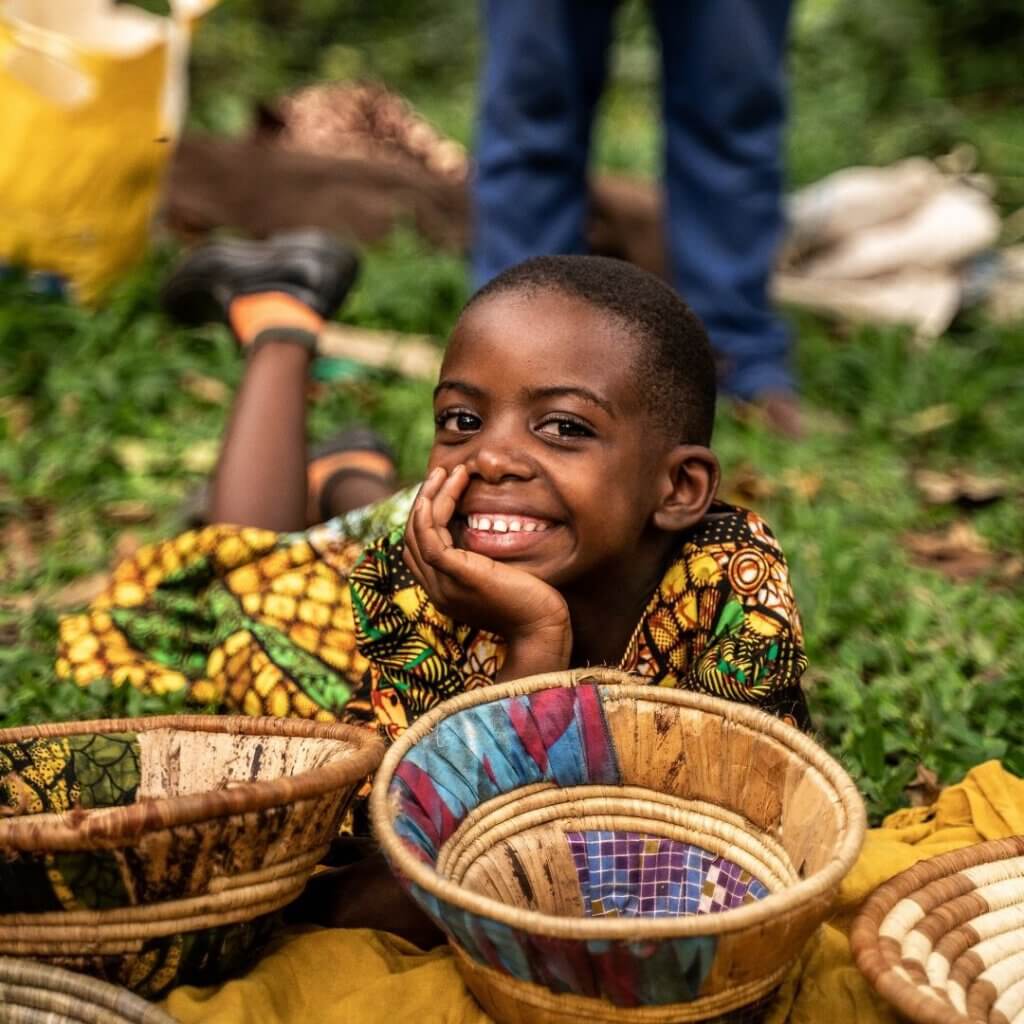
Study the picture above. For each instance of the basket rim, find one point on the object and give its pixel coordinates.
(789, 900)
(81, 829)
(907, 997)
(49, 980)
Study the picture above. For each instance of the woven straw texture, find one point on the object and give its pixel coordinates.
(601, 850)
(944, 940)
(155, 851)
(35, 993)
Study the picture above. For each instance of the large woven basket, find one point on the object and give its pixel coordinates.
(598, 850)
(155, 851)
(35, 993)
(943, 941)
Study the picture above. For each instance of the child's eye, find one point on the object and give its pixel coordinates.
(458, 421)
(563, 426)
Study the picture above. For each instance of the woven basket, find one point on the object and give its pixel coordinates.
(574, 834)
(35, 993)
(156, 851)
(944, 940)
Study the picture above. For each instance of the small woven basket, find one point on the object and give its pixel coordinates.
(598, 850)
(35, 993)
(156, 851)
(943, 941)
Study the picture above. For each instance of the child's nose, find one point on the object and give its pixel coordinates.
(496, 462)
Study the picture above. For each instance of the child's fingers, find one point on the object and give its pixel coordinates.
(428, 490)
(448, 495)
(433, 483)
(431, 554)
(435, 548)
(429, 540)
(414, 530)
(425, 574)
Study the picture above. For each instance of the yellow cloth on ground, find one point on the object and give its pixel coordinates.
(338, 976)
(988, 804)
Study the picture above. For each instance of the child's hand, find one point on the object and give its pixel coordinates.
(530, 614)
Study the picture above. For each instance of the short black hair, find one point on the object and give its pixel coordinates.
(675, 368)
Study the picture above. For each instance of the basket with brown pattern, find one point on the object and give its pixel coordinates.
(35, 993)
(155, 851)
(944, 940)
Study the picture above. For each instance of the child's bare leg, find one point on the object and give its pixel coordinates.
(261, 475)
(275, 295)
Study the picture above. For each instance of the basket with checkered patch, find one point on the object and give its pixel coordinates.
(601, 850)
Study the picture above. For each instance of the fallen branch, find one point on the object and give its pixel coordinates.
(411, 355)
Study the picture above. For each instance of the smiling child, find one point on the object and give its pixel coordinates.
(568, 516)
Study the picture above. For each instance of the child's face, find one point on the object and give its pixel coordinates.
(537, 398)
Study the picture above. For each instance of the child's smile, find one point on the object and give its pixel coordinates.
(499, 532)
(536, 401)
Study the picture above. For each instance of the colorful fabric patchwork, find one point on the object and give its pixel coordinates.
(726, 886)
(64, 773)
(625, 874)
(557, 735)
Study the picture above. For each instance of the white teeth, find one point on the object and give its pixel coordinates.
(510, 525)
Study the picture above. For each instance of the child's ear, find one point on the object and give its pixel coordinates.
(690, 480)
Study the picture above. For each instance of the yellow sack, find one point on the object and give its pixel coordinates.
(91, 96)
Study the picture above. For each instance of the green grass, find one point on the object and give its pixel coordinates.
(907, 668)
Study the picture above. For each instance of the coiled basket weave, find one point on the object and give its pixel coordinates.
(155, 851)
(598, 850)
(35, 993)
(943, 941)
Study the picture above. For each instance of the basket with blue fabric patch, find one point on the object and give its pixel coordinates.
(601, 850)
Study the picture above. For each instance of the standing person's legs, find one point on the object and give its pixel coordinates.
(543, 72)
(724, 105)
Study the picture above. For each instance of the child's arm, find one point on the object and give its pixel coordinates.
(261, 475)
(528, 613)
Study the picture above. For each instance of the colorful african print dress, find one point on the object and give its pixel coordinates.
(330, 624)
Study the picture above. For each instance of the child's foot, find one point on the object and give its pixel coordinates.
(284, 287)
(354, 469)
(349, 471)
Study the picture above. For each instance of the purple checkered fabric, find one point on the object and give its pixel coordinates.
(626, 874)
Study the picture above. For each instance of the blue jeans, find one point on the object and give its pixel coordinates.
(723, 98)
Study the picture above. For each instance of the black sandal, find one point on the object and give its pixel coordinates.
(311, 265)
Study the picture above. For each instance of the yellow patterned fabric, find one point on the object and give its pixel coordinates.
(329, 624)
